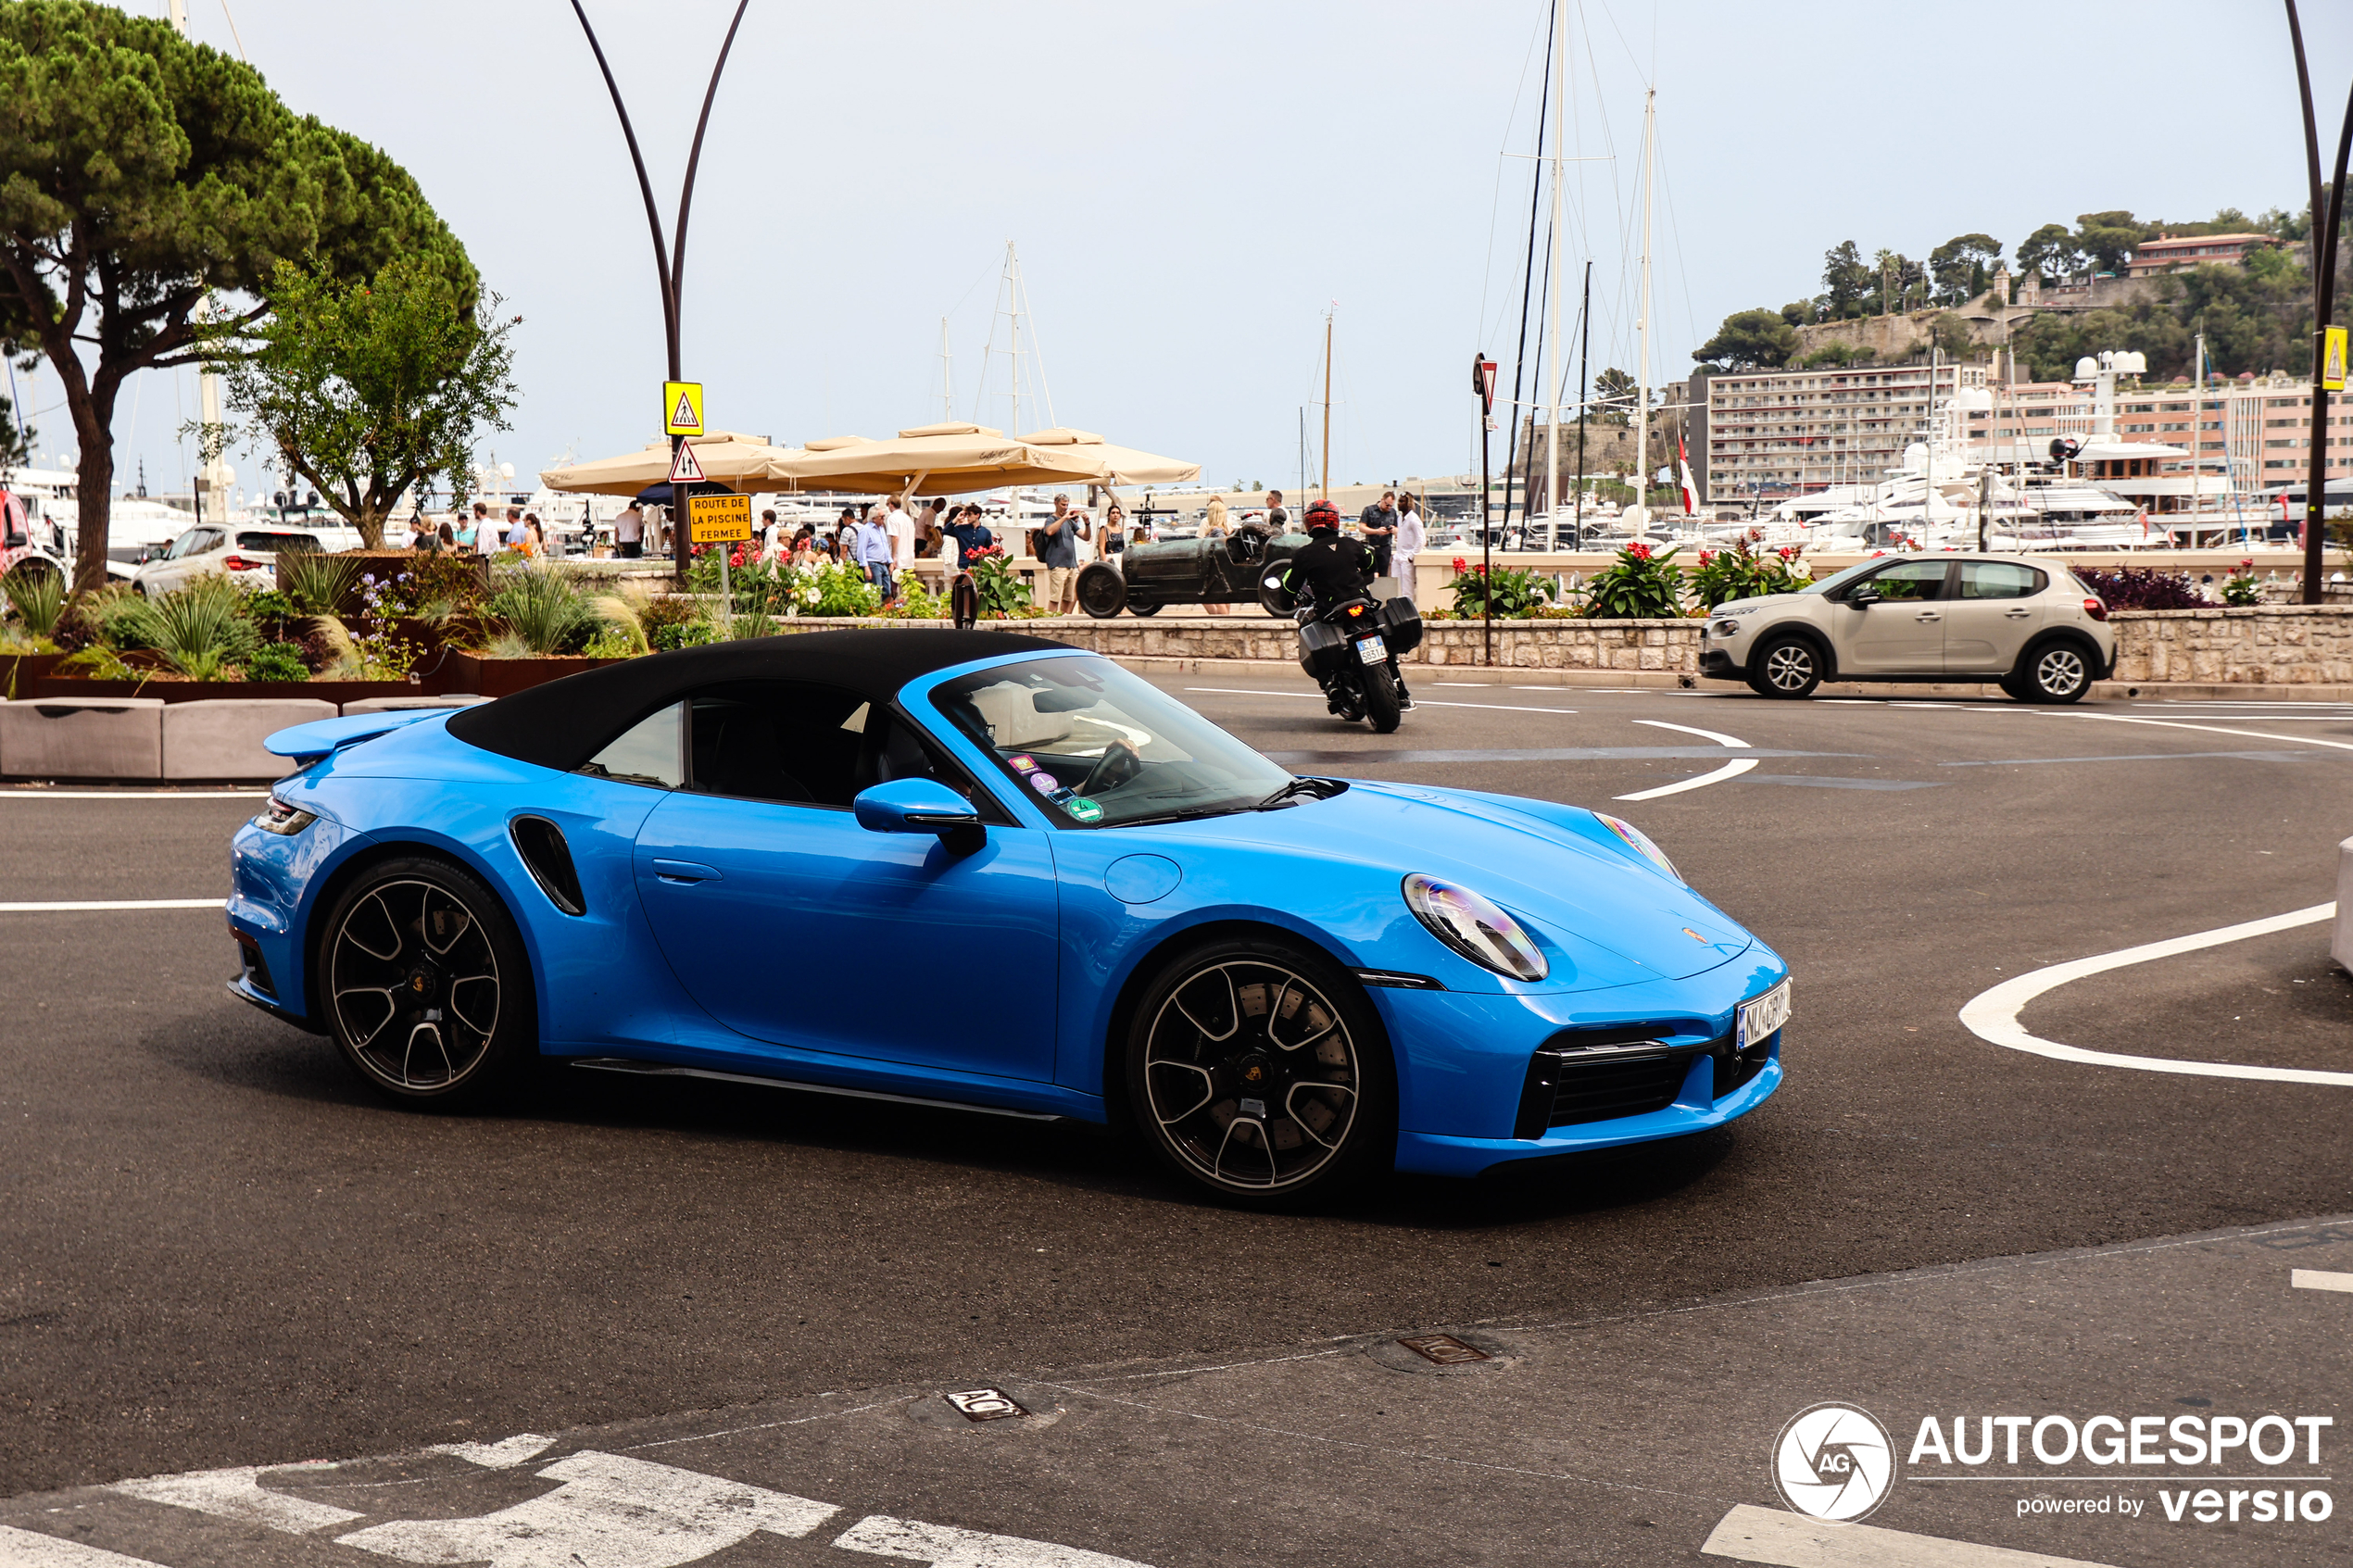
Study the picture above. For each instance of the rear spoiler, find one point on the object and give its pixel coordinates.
(308, 743)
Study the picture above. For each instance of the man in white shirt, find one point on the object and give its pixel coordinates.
(769, 535)
(629, 532)
(1412, 535)
(901, 527)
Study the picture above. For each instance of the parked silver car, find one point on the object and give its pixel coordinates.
(2025, 623)
(247, 555)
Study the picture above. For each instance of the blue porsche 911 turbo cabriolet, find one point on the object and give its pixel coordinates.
(1015, 878)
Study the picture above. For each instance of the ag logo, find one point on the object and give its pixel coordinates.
(1834, 1461)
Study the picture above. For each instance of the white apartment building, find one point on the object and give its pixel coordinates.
(1778, 432)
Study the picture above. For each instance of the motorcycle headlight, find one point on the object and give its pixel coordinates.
(1640, 843)
(1474, 927)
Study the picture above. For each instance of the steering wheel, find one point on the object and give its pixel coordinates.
(1120, 762)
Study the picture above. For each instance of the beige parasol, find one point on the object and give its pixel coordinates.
(941, 460)
(741, 462)
(1123, 464)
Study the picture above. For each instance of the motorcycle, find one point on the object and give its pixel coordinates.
(1352, 649)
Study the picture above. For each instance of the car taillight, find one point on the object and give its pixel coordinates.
(239, 563)
(2095, 610)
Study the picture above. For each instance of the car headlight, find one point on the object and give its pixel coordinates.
(1474, 927)
(279, 817)
(1640, 843)
(1727, 628)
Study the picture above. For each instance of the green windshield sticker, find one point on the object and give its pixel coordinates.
(1084, 809)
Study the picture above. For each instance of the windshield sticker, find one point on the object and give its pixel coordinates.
(1044, 782)
(1082, 809)
(1022, 764)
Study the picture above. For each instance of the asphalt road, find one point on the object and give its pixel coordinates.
(216, 1249)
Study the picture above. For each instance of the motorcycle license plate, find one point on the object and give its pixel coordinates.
(1761, 1018)
(1372, 650)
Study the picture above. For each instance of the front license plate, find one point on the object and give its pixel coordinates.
(1761, 1018)
(1372, 650)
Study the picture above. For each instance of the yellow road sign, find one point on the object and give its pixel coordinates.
(682, 407)
(2332, 360)
(717, 520)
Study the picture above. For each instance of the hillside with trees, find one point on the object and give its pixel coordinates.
(2256, 316)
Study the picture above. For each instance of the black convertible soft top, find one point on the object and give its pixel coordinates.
(565, 722)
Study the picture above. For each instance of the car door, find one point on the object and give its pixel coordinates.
(1903, 633)
(790, 924)
(1994, 607)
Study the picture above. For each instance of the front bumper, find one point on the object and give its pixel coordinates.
(1718, 663)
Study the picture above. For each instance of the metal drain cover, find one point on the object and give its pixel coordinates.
(984, 1404)
(1444, 1349)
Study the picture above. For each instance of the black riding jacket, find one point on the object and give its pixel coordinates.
(1328, 568)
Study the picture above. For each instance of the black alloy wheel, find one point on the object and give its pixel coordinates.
(2057, 672)
(1102, 593)
(1259, 1070)
(425, 985)
(1787, 667)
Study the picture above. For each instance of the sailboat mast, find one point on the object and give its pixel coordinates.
(947, 376)
(1326, 491)
(1643, 323)
(1560, 232)
(1012, 298)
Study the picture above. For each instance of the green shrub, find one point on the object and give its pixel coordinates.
(1514, 593)
(1640, 585)
(318, 583)
(198, 629)
(277, 661)
(541, 609)
(37, 596)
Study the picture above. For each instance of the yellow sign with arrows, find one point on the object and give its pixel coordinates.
(682, 407)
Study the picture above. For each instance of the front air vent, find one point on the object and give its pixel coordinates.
(541, 844)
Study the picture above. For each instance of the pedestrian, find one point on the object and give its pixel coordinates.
(534, 540)
(1378, 524)
(629, 532)
(1114, 531)
(843, 545)
(446, 537)
(1058, 553)
(421, 535)
(872, 544)
(1213, 522)
(772, 537)
(1277, 518)
(947, 544)
(1412, 535)
(516, 533)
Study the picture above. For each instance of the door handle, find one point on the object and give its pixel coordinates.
(686, 872)
(1926, 616)
(2017, 614)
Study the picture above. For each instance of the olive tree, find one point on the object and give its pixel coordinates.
(145, 174)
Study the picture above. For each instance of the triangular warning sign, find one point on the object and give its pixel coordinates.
(684, 470)
(685, 413)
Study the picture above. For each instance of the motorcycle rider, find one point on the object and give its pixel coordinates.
(1331, 568)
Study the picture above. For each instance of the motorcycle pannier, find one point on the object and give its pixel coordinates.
(1403, 624)
(1320, 648)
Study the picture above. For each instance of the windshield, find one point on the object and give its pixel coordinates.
(1101, 747)
(1838, 579)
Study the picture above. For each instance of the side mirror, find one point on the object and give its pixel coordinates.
(913, 805)
(1863, 598)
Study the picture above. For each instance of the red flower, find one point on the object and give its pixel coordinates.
(1638, 550)
(1787, 552)
(1461, 565)
(1706, 555)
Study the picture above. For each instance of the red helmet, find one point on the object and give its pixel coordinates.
(1322, 514)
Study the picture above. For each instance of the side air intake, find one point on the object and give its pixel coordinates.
(541, 844)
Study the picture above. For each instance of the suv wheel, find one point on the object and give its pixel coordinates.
(2055, 672)
(1788, 667)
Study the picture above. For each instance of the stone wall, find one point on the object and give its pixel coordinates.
(2270, 644)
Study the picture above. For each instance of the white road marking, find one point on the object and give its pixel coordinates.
(1993, 1015)
(134, 795)
(2319, 1279)
(610, 1512)
(503, 1455)
(1767, 1535)
(943, 1546)
(1419, 702)
(236, 1494)
(1249, 691)
(1728, 771)
(72, 906)
(27, 1548)
(2177, 725)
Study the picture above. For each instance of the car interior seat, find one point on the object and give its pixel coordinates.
(749, 760)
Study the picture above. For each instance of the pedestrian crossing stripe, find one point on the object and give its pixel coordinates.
(682, 403)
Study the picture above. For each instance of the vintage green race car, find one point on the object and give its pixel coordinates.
(1187, 571)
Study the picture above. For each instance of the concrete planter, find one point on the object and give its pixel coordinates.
(504, 677)
(19, 671)
(103, 738)
(336, 693)
(220, 738)
(400, 704)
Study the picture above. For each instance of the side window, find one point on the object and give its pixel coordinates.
(777, 740)
(651, 751)
(2000, 580)
(1911, 579)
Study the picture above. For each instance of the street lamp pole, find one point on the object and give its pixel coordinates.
(669, 260)
(2322, 240)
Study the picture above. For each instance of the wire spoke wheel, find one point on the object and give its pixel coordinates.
(1251, 1075)
(415, 988)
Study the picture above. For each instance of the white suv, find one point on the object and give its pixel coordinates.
(2025, 623)
(247, 555)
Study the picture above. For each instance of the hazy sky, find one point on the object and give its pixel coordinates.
(1192, 185)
